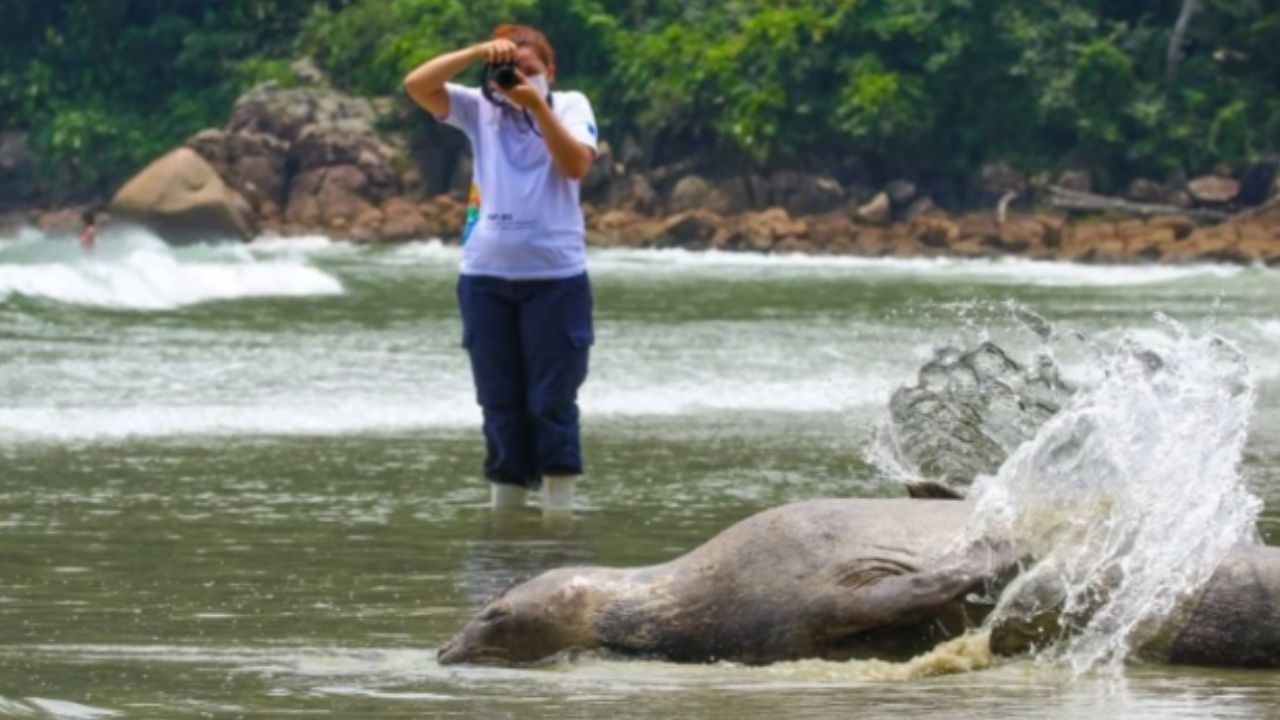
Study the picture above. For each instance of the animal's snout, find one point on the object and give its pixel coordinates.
(449, 653)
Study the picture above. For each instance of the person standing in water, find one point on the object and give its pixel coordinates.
(89, 235)
(523, 290)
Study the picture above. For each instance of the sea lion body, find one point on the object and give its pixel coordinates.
(837, 579)
(1235, 620)
(822, 578)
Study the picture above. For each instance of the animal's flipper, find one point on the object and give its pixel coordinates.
(930, 490)
(886, 598)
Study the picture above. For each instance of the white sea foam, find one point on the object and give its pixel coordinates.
(648, 261)
(133, 270)
(1004, 270)
(67, 710)
(375, 411)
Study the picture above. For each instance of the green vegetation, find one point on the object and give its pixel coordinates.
(106, 85)
(929, 89)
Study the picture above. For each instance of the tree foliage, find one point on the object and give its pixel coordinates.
(930, 89)
(106, 85)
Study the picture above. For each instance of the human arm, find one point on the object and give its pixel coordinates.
(570, 155)
(426, 84)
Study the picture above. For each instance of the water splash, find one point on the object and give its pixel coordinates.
(132, 269)
(958, 656)
(967, 411)
(1127, 498)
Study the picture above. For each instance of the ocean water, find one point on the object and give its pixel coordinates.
(242, 481)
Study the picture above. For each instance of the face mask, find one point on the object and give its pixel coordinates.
(539, 81)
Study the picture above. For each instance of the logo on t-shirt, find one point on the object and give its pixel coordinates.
(473, 213)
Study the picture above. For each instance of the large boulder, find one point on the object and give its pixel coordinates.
(181, 198)
(255, 164)
(693, 192)
(633, 192)
(332, 197)
(403, 220)
(286, 113)
(693, 229)
(310, 159)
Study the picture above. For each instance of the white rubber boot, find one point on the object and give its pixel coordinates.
(506, 496)
(557, 494)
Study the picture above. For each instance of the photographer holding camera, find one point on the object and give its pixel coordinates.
(523, 290)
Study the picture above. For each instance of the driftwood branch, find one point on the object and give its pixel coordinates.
(1173, 56)
(1073, 200)
(1002, 207)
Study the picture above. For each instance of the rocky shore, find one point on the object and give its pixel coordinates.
(310, 160)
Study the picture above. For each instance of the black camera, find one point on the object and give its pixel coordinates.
(504, 75)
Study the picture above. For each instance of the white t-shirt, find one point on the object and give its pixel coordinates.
(530, 224)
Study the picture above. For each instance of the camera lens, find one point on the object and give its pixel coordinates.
(505, 76)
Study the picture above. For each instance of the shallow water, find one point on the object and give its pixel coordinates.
(242, 481)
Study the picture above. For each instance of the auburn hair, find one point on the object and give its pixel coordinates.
(524, 35)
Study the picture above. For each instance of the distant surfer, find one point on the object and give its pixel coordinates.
(89, 235)
(523, 291)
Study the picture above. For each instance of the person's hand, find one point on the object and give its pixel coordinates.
(496, 52)
(523, 95)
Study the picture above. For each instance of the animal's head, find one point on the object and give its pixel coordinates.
(530, 621)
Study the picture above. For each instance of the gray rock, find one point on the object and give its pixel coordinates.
(693, 229)
(694, 192)
(1144, 190)
(211, 144)
(330, 196)
(879, 211)
(1213, 189)
(689, 192)
(746, 192)
(306, 72)
(285, 113)
(805, 194)
(183, 200)
(1077, 180)
(996, 179)
(924, 207)
(900, 192)
(633, 192)
(255, 164)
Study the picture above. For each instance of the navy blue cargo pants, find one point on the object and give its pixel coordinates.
(528, 341)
